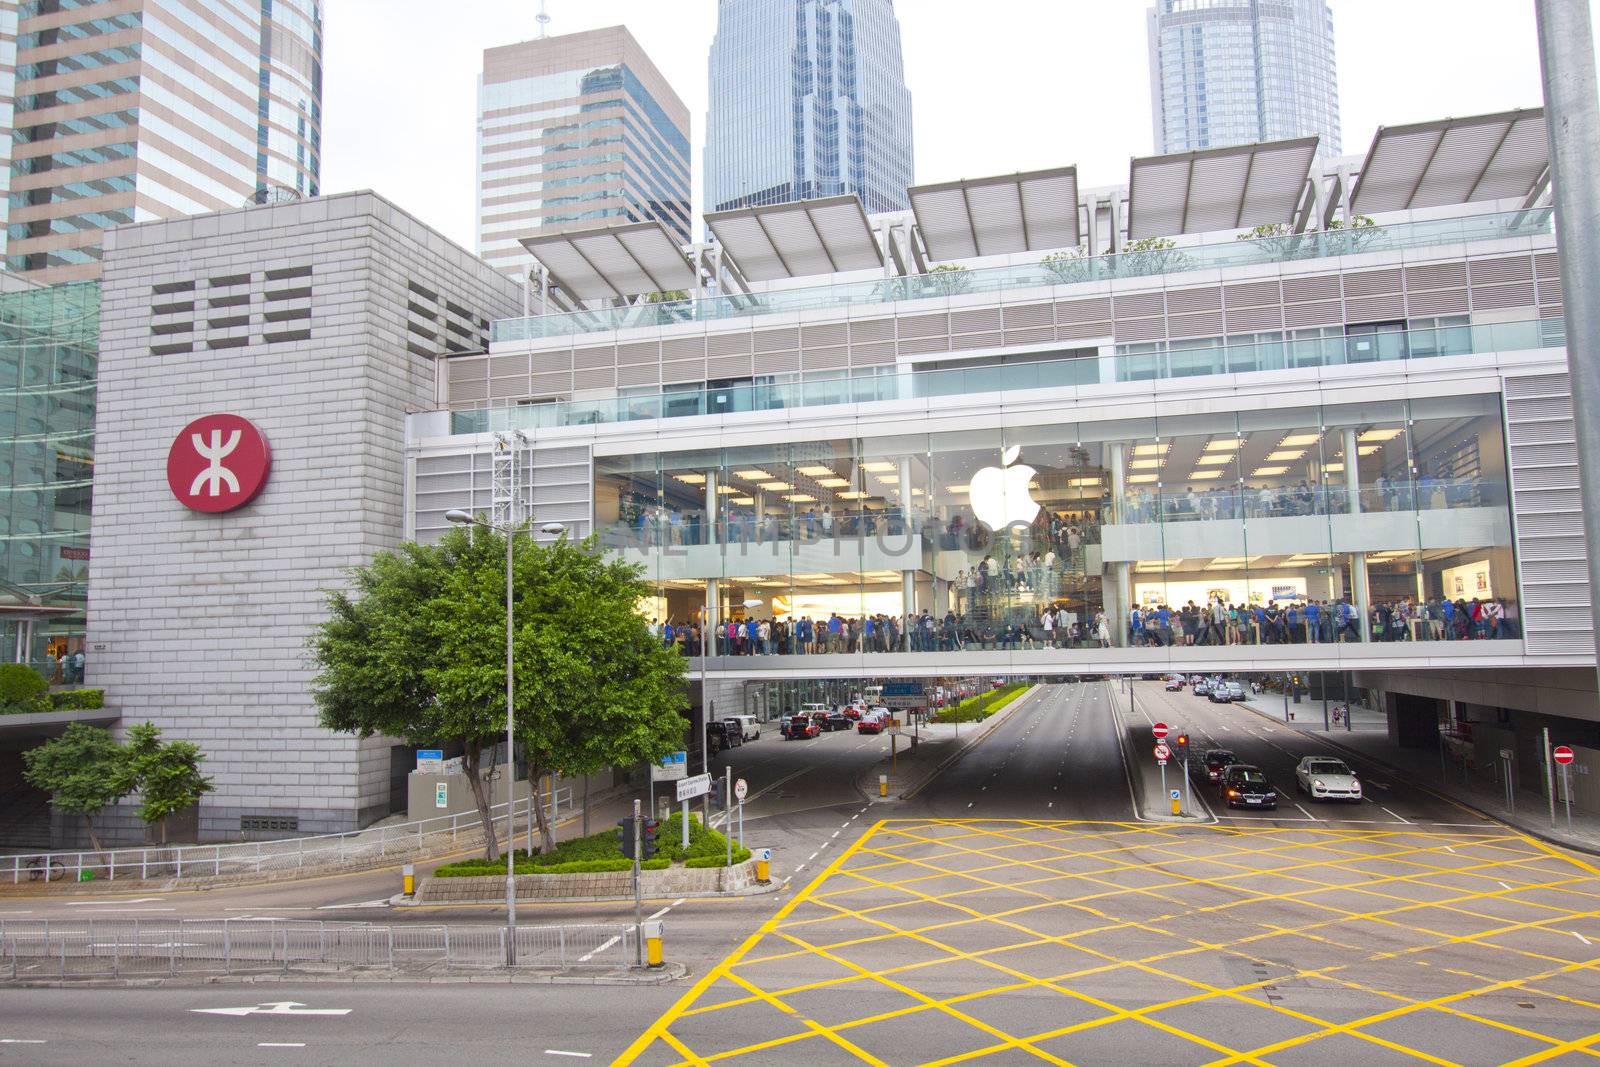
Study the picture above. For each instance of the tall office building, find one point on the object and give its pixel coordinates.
(573, 128)
(808, 99)
(133, 110)
(1225, 72)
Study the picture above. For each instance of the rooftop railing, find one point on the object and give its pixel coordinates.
(1287, 354)
(1062, 268)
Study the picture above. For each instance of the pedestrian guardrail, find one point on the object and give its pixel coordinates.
(131, 948)
(374, 844)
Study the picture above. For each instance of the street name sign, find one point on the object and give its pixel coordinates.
(698, 786)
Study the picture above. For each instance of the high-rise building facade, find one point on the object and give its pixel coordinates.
(573, 128)
(808, 99)
(133, 111)
(1226, 72)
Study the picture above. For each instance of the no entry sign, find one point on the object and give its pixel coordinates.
(1563, 754)
(1160, 730)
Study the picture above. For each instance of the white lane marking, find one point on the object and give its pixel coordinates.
(1406, 821)
(20, 1041)
(835, 834)
(355, 904)
(564, 1052)
(1504, 886)
(127, 911)
(273, 1007)
(812, 856)
(114, 900)
(280, 1044)
(9, 914)
(969, 803)
(1308, 815)
(252, 910)
(1473, 825)
(1051, 804)
(1450, 850)
(844, 824)
(800, 868)
(856, 816)
(1580, 937)
(586, 957)
(660, 913)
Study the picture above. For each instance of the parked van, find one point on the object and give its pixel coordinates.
(750, 727)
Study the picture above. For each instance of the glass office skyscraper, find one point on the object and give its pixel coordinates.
(130, 111)
(808, 99)
(576, 128)
(1225, 72)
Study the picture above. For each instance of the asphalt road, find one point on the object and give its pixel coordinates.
(1014, 908)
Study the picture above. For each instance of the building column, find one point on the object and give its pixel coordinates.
(1118, 617)
(1358, 560)
(908, 575)
(712, 536)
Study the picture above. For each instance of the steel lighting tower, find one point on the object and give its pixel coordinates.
(508, 528)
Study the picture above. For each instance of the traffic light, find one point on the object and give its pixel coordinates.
(647, 838)
(627, 836)
(1180, 746)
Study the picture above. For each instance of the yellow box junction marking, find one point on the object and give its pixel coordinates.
(1128, 912)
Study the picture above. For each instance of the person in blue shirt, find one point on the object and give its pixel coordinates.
(1313, 621)
(1260, 617)
(1164, 621)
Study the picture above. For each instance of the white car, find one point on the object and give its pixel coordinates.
(1323, 778)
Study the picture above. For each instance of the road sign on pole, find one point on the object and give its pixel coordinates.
(674, 768)
(698, 786)
(1163, 753)
(1563, 755)
(1160, 730)
(740, 789)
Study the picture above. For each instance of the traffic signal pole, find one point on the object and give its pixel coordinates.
(638, 894)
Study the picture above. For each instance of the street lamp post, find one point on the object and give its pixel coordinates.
(462, 518)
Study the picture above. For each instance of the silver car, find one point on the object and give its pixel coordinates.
(1323, 778)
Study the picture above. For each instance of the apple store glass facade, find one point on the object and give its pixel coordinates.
(1368, 522)
(49, 340)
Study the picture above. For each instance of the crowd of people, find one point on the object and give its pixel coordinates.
(1234, 502)
(1216, 623)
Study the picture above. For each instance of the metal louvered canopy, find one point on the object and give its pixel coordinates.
(612, 261)
(995, 216)
(1230, 188)
(798, 239)
(1454, 161)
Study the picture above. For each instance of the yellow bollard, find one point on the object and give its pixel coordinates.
(883, 785)
(1175, 803)
(652, 943)
(763, 865)
(409, 874)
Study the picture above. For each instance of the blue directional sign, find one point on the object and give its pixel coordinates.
(902, 689)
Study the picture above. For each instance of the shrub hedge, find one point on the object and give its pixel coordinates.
(78, 699)
(603, 852)
(980, 707)
(22, 689)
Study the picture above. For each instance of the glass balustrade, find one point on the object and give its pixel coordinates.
(1056, 269)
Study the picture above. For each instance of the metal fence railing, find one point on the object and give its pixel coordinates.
(375, 844)
(128, 948)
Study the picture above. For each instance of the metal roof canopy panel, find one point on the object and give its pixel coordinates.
(1231, 188)
(1454, 161)
(798, 239)
(612, 261)
(1008, 213)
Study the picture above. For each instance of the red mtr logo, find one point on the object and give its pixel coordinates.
(218, 463)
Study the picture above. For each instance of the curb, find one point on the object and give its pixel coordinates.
(750, 891)
(1538, 835)
(670, 972)
(987, 727)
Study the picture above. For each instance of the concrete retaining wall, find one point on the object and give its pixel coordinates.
(672, 882)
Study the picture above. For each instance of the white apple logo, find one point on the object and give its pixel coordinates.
(1000, 495)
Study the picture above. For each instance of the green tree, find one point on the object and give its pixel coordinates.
(416, 650)
(1070, 265)
(84, 770)
(167, 775)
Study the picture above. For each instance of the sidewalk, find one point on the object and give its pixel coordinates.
(1368, 738)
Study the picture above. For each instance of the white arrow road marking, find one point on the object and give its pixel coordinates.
(277, 1007)
(356, 904)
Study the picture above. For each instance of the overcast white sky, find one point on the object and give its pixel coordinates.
(998, 85)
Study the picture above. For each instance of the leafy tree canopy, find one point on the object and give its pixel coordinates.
(415, 649)
(84, 771)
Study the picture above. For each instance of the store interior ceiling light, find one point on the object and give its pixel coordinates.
(853, 494)
(727, 489)
(834, 483)
(745, 500)
(801, 498)
(1149, 450)
(1215, 459)
(754, 475)
(1085, 481)
(776, 487)
(889, 479)
(1333, 468)
(1368, 450)
(1298, 440)
(957, 489)
(1380, 435)
(1206, 475)
(811, 577)
(1269, 472)
(1229, 445)
(1145, 464)
(877, 465)
(691, 479)
(815, 472)
(1286, 455)
(1144, 478)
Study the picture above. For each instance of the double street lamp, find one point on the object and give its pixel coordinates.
(556, 529)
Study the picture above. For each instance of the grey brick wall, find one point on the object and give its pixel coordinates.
(198, 623)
